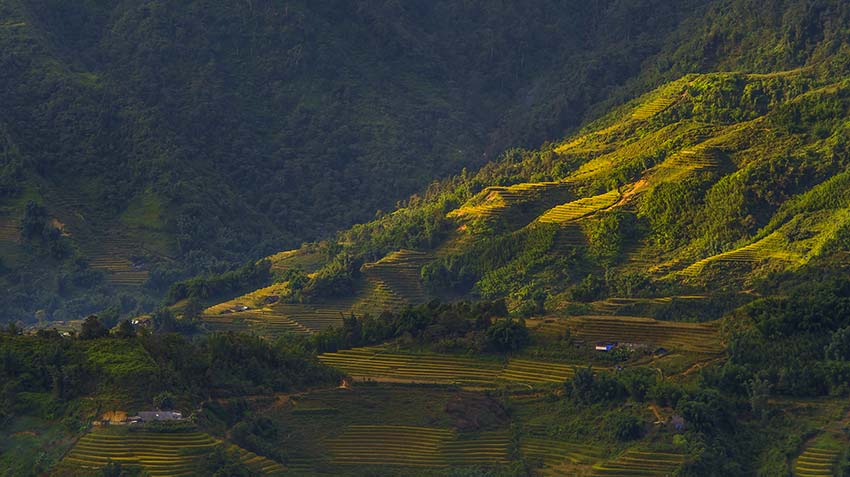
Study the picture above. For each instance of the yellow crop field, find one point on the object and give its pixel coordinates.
(698, 337)
(579, 208)
(377, 363)
(159, 454)
(412, 446)
(643, 463)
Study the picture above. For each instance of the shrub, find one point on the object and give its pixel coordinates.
(626, 427)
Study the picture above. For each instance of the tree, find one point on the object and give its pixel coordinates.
(581, 386)
(626, 427)
(125, 330)
(508, 335)
(838, 348)
(33, 220)
(111, 469)
(759, 391)
(193, 308)
(92, 328)
(164, 401)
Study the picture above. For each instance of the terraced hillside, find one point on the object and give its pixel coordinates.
(817, 460)
(411, 446)
(702, 338)
(159, 454)
(398, 273)
(559, 457)
(503, 202)
(104, 242)
(643, 463)
(579, 208)
(772, 247)
(377, 363)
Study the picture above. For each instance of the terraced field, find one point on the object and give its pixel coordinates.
(307, 260)
(612, 306)
(703, 338)
(411, 446)
(106, 246)
(555, 455)
(398, 273)
(259, 464)
(536, 372)
(664, 100)
(376, 363)
(579, 208)
(770, 247)
(699, 157)
(640, 463)
(495, 202)
(816, 461)
(160, 454)
(9, 230)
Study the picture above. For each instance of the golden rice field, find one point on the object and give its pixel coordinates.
(771, 247)
(159, 454)
(554, 454)
(579, 208)
(666, 98)
(816, 461)
(411, 446)
(697, 337)
(640, 463)
(399, 274)
(493, 202)
(612, 306)
(377, 363)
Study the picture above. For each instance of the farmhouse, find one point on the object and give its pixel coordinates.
(150, 416)
(605, 346)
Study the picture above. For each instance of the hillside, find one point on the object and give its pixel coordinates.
(173, 141)
(705, 219)
(595, 239)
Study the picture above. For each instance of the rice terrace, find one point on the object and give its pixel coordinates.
(425, 238)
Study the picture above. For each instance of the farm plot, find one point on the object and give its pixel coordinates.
(579, 208)
(399, 274)
(640, 463)
(664, 99)
(376, 363)
(695, 337)
(496, 201)
(552, 453)
(160, 454)
(536, 372)
(816, 461)
(770, 247)
(412, 446)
